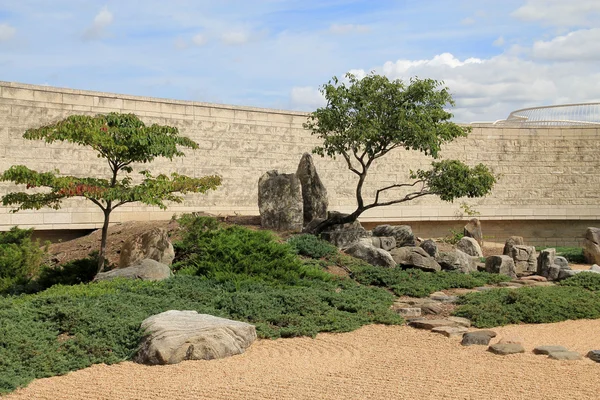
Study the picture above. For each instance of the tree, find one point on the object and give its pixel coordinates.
(122, 140)
(365, 119)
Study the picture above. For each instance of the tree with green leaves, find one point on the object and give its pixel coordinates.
(122, 140)
(364, 119)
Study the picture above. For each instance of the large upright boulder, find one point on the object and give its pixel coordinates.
(153, 245)
(174, 336)
(280, 202)
(415, 257)
(591, 245)
(314, 194)
(402, 233)
(500, 265)
(145, 270)
(469, 246)
(510, 243)
(525, 259)
(546, 266)
(473, 230)
(371, 254)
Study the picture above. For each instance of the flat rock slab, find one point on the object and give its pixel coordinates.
(174, 336)
(450, 331)
(564, 355)
(409, 311)
(146, 270)
(506, 348)
(482, 337)
(432, 323)
(460, 321)
(548, 349)
(594, 355)
(433, 308)
(536, 278)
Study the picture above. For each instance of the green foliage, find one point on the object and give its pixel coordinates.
(584, 280)
(417, 283)
(121, 139)
(71, 327)
(311, 246)
(529, 305)
(572, 254)
(20, 259)
(454, 236)
(223, 252)
(71, 273)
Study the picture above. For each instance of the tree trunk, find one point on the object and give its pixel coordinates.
(102, 253)
(336, 219)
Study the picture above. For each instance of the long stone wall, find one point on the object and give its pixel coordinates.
(549, 174)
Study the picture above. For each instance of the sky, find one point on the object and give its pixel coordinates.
(494, 56)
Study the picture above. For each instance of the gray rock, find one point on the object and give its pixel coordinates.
(545, 262)
(280, 202)
(481, 337)
(343, 235)
(473, 230)
(562, 262)
(385, 243)
(429, 324)
(314, 193)
(548, 349)
(456, 260)
(432, 308)
(174, 336)
(145, 270)
(372, 255)
(564, 355)
(154, 245)
(567, 273)
(469, 246)
(402, 233)
(591, 245)
(443, 297)
(594, 355)
(500, 265)
(595, 268)
(450, 331)
(510, 242)
(525, 259)
(415, 257)
(506, 348)
(460, 321)
(409, 311)
(430, 247)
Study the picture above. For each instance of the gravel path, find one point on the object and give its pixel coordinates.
(374, 362)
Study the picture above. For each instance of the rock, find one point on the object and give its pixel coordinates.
(484, 288)
(415, 257)
(314, 194)
(146, 270)
(432, 308)
(430, 247)
(443, 297)
(154, 245)
(591, 245)
(595, 268)
(510, 242)
(409, 311)
(542, 284)
(456, 260)
(280, 202)
(473, 230)
(594, 355)
(175, 336)
(548, 349)
(460, 321)
(545, 263)
(469, 246)
(450, 331)
(372, 255)
(564, 355)
(567, 273)
(342, 235)
(535, 278)
(562, 262)
(525, 258)
(510, 284)
(402, 233)
(481, 337)
(506, 348)
(385, 243)
(429, 324)
(500, 265)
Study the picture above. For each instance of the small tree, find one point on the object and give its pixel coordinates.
(367, 118)
(121, 139)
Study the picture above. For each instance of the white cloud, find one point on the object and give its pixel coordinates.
(6, 32)
(235, 37)
(560, 12)
(98, 28)
(200, 39)
(578, 45)
(343, 29)
(499, 42)
(180, 43)
(467, 21)
(306, 98)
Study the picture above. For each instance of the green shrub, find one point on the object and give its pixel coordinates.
(311, 246)
(454, 236)
(211, 250)
(20, 259)
(71, 273)
(585, 280)
(67, 328)
(529, 305)
(572, 254)
(417, 283)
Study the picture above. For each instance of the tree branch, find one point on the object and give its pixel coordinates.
(350, 167)
(408, 197)
(397, 185)
(96, 202)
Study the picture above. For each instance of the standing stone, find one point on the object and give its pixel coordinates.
(430, 247)
(154, 245)
(469, 246)
(591, 246)
(473, 230)
(402, 233)
(525, 258)
(370, 254)
(500, 265)
(280, 202)
(510, 242)
(314, 194)
(546, 266)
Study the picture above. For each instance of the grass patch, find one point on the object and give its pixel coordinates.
(572, 254)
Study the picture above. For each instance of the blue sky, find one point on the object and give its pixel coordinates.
(494, 56)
